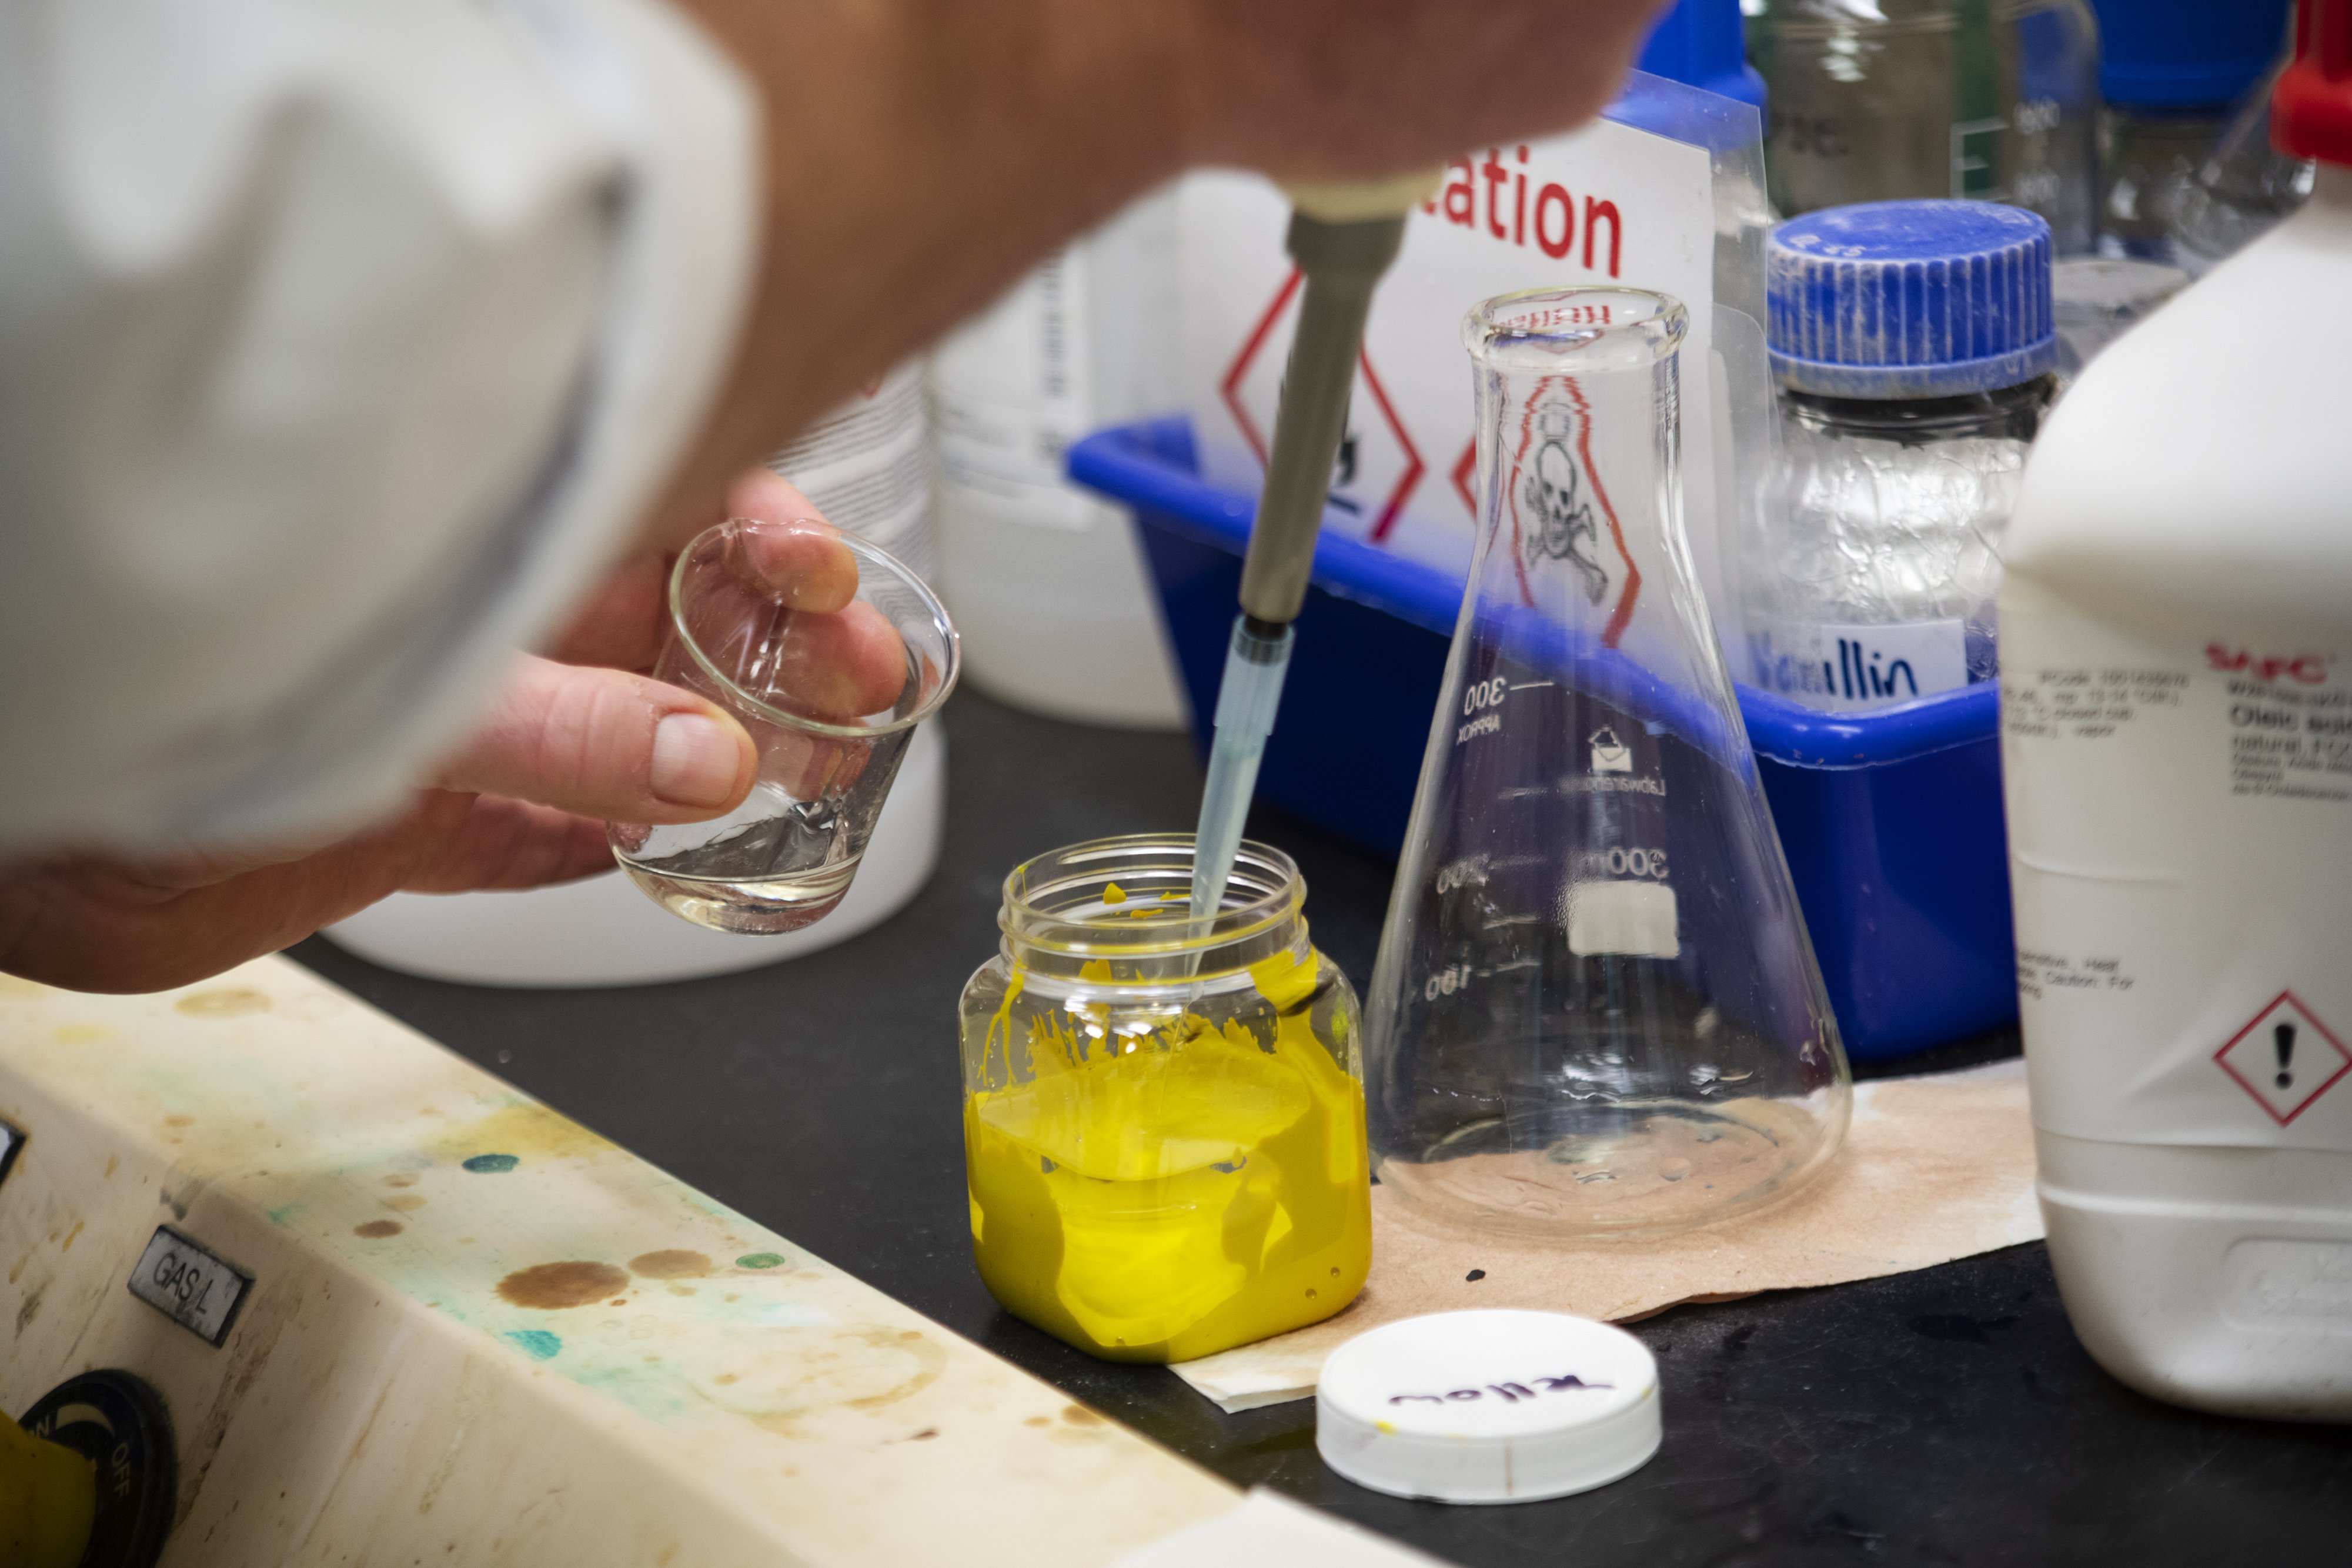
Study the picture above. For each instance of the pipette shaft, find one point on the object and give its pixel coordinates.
(1256, 662)
(1341, 256)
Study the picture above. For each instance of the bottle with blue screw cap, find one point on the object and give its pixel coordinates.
(1913, 342)
(2170, 72)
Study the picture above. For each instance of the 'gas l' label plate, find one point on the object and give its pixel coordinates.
(191, 1284)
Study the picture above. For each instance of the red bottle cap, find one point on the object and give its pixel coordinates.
(2311, 112)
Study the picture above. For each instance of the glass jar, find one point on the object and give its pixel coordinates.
(2244, 189)
(1913, 342)
(1890, 522)
(2148, 158)
(1874, 99)
(1163, 1118)
(2171, 72)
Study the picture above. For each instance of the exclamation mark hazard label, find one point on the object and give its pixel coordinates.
(2284, 1058)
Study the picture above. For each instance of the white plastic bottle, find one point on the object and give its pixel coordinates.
(2176, 631)
(1048, 581)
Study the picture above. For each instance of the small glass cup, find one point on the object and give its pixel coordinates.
(1163, 1118)
(783, 858)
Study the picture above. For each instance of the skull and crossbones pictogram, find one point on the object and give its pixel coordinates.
(1565, 528)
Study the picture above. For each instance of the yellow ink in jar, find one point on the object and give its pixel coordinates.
(1157, 1171)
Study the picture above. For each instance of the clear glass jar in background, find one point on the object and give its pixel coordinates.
(2244, 188)
(1163, 1122)
(1049, 582)
(1913, 342)
(1874, 100)
(2148, 158)
(865, 465)
(1891, 516)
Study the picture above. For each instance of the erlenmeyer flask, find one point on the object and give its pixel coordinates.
(1595, 1007)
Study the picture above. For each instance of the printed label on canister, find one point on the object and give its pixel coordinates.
(1011, 393)
(2177, 812)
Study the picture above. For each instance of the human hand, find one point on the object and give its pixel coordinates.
(569, 741)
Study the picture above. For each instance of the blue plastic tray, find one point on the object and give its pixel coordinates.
(1891, 819)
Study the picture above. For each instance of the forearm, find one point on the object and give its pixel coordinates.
(920, 153)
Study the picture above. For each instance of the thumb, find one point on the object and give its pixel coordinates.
(604, 743)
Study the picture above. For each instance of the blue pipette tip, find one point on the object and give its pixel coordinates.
(1256, 662)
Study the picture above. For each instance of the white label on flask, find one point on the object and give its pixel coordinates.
(1841, 669)
(1633, 918)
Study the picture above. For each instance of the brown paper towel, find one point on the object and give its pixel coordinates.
(1935, 1168)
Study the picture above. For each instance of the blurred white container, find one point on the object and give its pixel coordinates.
(1049, 583)
(603, 931)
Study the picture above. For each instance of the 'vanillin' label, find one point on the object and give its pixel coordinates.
(1843, 668)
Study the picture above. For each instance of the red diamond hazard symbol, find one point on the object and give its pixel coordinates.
(1378, 466)
(2284, 1058)
(1556, 502)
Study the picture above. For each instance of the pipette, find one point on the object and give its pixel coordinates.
(1342, 237)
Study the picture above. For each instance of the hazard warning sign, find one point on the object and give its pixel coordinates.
(1613, 204)
(1378, 467)
(1557, 507)
(2284, 1058)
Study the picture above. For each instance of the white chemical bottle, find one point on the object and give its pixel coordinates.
(1047, 582)
(2176, 634)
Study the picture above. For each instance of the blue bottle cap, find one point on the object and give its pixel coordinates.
(1700, 42)
(2186, 54)
(1909, 299)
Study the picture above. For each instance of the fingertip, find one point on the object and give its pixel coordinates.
(767, 496)
(877, 658)
(841, 666)
(702, 759)
(802, 561)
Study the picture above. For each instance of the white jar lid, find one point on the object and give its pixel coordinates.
(1488, 1407)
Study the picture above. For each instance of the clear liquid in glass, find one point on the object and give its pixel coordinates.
(774, 864)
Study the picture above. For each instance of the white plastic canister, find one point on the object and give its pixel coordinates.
(2176, 637)
(1047, 582)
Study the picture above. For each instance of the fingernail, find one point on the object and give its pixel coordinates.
(695, 760)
